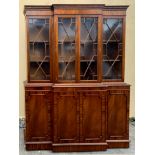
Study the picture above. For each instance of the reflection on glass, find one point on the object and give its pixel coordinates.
(112, 45)
(38, 30)
(88, 51)
(66, 48)
(39, 49)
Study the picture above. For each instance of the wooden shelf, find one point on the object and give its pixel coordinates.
(40, 61)
(91, 74)
(40, 41)
(66, 59)
(73, 76)
(88, 60)
(110, 60)
(71, 42)
(111, 41)
(88, 42)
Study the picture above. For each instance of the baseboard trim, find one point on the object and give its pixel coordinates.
(118, 143)
(78, 147)
(38, 146)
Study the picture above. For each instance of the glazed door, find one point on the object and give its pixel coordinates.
(92, 116)
(38, 115)
(77, 48)
(38, 37)
(65, 48)
(118, 114)
(66, 117)
(88, 48)
(113, 49)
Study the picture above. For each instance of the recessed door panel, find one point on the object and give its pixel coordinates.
(117, 115)
(67, 118)
(38, 119)
(93, 117)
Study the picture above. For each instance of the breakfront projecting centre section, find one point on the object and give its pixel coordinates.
(75, 95)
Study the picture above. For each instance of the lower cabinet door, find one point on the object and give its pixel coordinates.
(118, 114)
(79, 117)
(66, 117)
(38, 119)
(92, 116)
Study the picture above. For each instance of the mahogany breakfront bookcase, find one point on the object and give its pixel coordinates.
(75, 96)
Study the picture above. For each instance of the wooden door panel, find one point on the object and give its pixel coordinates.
(67, 118)
(38, 123)
(117, 115)
(93, 117)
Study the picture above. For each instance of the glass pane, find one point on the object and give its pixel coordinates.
(39, 49)
(112, 45)
(66, 48)
(88, 52)
(112, 70)
(39, 73)
(38, 30)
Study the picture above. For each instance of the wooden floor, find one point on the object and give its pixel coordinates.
(129, 151)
